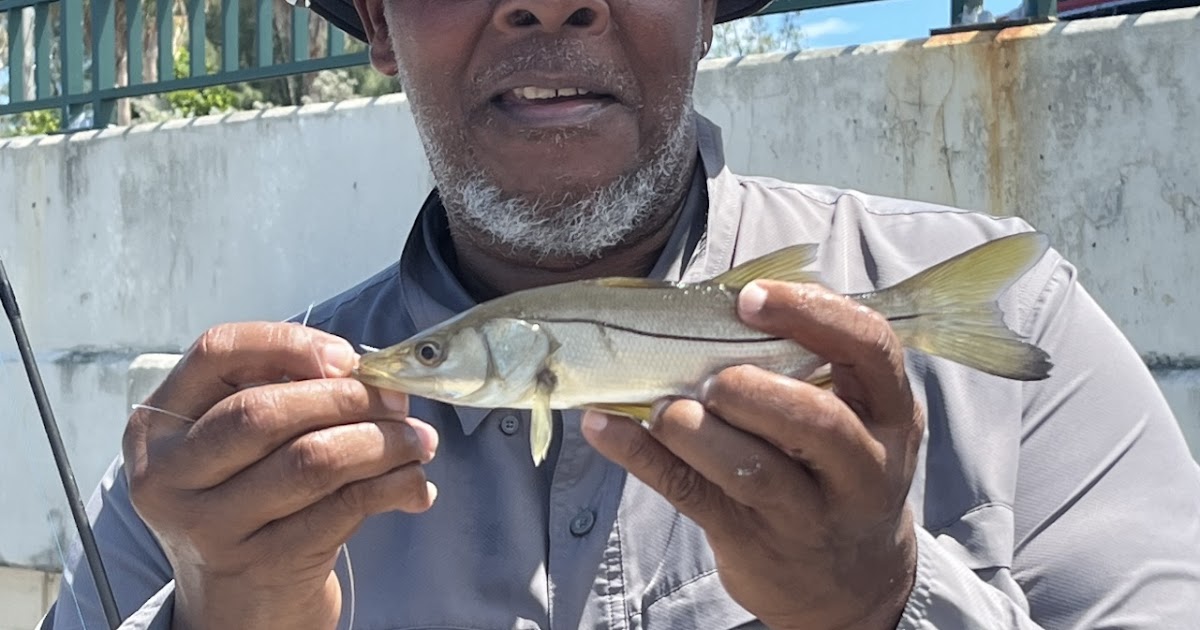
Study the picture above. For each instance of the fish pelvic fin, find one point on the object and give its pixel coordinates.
(786, 265)
(541, 420)
(950, 310)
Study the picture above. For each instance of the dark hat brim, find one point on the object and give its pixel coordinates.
(341, 13)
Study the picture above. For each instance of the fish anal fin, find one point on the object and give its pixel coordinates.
(822, 377)
(641, 413)
(786, 265)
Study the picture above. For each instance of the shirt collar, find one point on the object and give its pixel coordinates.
(431, 292)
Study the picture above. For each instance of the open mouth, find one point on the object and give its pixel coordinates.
(552, 106)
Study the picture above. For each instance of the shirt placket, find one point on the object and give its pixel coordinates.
(585, 492)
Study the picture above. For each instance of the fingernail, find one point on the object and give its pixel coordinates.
(751, 299)
(431, 491)
(394, 401)
(702, 394)
(427, 434)
(339, 357)
(656, 411)
(594, 423)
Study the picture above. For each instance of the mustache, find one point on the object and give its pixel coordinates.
(570, 57)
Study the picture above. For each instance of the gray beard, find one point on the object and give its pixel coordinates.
(574, 227)
(582, 228)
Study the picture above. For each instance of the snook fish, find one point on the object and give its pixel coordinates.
(620, 344)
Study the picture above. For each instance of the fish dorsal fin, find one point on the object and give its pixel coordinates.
(786, 265)
(632, 283)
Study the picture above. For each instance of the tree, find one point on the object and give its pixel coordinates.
(779, 32)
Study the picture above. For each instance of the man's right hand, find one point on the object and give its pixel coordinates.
(285, 460)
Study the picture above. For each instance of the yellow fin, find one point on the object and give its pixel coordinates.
(786, 265)
(632, 283)
(541, 425)
(822, 378)
(641, 413)
(950, 310)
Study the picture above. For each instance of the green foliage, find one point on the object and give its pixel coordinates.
(37, 123)
(212, 100)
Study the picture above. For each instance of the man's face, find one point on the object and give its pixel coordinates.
(553, 126)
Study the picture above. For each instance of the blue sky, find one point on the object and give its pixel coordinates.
(881, 21)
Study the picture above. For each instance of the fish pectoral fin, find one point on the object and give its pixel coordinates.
(541, 423)
(786, 265)
(641, 413)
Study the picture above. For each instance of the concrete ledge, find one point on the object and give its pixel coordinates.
(25, 596)
(1182, 389)
(147, 372)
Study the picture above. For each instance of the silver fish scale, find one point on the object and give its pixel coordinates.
(598, 364)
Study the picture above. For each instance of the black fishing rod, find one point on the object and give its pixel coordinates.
(103, 587)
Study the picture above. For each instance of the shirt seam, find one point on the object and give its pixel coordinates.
(916, 609)
(671, 592)
(621, 566)
(973, 509)
(387, 275)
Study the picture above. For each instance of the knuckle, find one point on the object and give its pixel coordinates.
(256, 412)
(872, 327)
(214, 342)
(682, 483)
(315, 459)
(825, 421)
(357, 498)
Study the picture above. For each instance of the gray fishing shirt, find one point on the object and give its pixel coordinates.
(1066, 503)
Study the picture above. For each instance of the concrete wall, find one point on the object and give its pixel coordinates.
(133, 241)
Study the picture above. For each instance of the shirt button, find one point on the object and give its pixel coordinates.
(510, 425)
(583, 522)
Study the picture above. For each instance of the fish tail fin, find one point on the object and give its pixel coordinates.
(950, 310)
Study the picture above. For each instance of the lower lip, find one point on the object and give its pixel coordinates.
(554, 114)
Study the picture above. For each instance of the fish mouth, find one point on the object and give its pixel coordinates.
(374, 377)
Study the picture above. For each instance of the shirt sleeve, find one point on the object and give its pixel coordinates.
(1107, 500)
(135, 564)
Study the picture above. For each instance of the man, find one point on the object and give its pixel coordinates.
(916, 493)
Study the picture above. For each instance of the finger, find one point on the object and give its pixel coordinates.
(331, 521)
(748, 469)
(809, 424)
(845, 333)
(247, 426)
(316, 465)
(627, 444)
(231, 356)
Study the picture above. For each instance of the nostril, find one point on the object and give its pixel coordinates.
(522, 17)
(582, 17)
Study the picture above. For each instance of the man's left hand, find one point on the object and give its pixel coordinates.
(800, 490)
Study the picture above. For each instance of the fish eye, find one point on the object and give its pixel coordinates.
(429, 352)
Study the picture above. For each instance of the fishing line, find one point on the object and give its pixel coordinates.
(8, 384)
(164, 412)
(345, 547)
(74, 501)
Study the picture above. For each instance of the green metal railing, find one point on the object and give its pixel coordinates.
(1035, 10)
(67, 80)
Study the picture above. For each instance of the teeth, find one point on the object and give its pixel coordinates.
(539, 93)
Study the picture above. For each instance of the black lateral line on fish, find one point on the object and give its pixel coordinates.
(644, 333)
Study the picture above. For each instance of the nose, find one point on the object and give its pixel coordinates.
(590, 17)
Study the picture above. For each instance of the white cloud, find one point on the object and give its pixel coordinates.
(828, 26)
